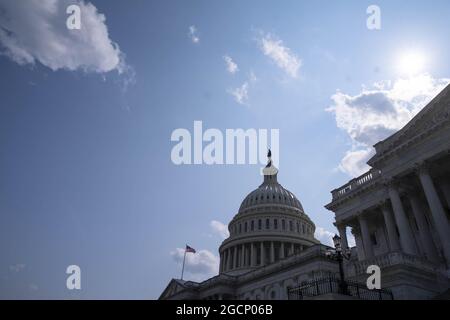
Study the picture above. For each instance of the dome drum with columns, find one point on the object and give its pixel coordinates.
(270, 225)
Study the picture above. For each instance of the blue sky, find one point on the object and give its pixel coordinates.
(86, 118)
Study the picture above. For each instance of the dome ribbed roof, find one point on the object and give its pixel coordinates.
(270, 217)
(270, 193)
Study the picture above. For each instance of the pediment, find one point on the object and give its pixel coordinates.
(172, 288)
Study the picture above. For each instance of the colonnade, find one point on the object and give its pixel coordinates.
(255, 254)
(398, 228)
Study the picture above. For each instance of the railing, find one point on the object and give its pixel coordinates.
(388, 260)
(333, 285)
(356, 183)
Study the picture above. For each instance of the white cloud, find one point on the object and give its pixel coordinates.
(324, 236)
(199, 266)
(283, 56)
(193, 34)
(35, 31)
(374, 114)
(232, 67)
(351, 240)
(220, 228)
(240, 94)
(252, 77)
(354, 162)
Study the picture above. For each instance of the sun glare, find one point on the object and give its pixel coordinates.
(411, 63)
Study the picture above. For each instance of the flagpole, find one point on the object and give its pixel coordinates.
(184, 259)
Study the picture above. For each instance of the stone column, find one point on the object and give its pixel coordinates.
(406, 237)
(389, 222)
(229, 266)
(356, 231)
(235, 257)
(437, 211)
(243, 256)
(445, 186)
(222, 259)
(282, 250)
(424, 231)
(365, 234)
(224, 264)
(342, 228)
(263, 257)
(292, 249)
(272, 252)
(252, 253)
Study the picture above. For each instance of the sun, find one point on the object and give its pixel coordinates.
(411, 63)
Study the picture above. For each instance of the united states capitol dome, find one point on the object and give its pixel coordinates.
(270, 225)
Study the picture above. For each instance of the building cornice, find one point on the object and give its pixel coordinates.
(267, 237)
(410, 133)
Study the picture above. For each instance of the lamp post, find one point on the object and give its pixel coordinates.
(339, 255)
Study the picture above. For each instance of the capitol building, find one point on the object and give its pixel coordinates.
(398, 213)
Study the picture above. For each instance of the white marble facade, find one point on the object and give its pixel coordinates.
(399, 210)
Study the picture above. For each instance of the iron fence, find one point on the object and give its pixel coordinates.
(333, 285)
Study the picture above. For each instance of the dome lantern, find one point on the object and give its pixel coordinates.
(270, 171)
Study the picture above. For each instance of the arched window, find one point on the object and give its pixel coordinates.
(240, 228)
(291, 226)
(283, 224)
(267, 223)
(259, 224)
(245, 227)
(252, 225)
(275, 223)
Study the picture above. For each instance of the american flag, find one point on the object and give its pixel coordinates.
(190, 249)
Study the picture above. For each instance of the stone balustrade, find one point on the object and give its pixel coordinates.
(388, 260)
(356, 183)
